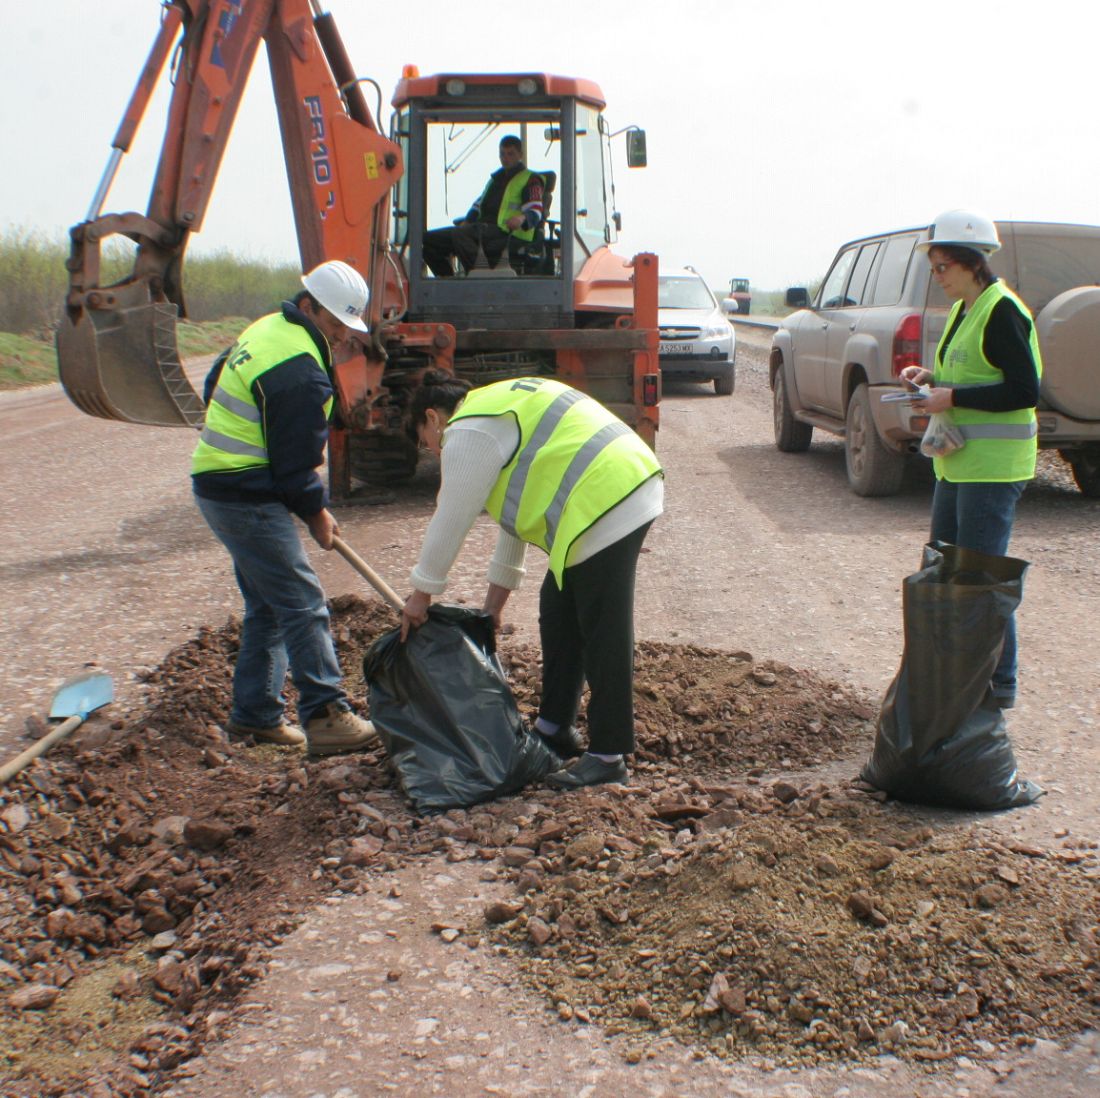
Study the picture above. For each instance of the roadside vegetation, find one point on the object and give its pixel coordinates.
(223, 291)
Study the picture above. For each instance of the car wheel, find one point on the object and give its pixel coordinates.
(874, 469)
(723, 384)
(1085, 464)
(792, 436)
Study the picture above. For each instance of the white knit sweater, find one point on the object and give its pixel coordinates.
(474, 450)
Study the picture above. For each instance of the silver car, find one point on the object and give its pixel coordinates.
(697, 341)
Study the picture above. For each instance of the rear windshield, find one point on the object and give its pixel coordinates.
(1039, 263)
(683, 293)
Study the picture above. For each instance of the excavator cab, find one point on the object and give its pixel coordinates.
(450, 127)
(561, 303)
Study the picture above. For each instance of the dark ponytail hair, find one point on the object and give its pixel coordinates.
(975, 262)
(438, 389)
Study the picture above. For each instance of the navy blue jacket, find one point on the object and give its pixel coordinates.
(291, 397)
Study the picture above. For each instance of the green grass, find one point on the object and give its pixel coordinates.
(223, 293)
(209, 337)
(26, 361)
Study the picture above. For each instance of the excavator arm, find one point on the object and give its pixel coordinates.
(116, 344)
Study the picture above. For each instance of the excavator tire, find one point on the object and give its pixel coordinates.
(378, 458)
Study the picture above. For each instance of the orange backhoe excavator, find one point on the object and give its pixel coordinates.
(561, 303)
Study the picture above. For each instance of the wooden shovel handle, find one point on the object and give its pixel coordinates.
(10, 769)
(368, 573)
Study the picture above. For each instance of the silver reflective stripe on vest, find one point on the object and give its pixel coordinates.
(232, 445)
(998, 430)
(238, 407)
(577, 467)
(539, 437)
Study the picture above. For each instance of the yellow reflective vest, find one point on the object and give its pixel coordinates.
(574, 462)
(232, 436)
(1000, 446)
(511, 203)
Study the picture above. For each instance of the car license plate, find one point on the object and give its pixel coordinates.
(675, 349)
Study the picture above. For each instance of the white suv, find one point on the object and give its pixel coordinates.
(878, 311)
(697, 341)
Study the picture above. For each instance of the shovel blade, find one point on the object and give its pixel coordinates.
(82, 694)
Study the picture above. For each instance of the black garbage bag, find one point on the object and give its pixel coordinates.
(446, 716)
(941, 739)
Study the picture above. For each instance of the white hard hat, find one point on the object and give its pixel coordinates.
(341, 289)
(964, 229)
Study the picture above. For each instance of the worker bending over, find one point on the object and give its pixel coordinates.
(558, 470)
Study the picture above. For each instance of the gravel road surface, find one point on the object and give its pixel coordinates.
(106, 563)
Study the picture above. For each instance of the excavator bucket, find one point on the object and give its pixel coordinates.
(123, 363)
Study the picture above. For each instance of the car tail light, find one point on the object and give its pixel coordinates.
(651, 390)
(907, 343)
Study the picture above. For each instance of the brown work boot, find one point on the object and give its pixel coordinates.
(334, 729)
(283, 734)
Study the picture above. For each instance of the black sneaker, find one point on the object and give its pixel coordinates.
(588, 770)
(566, 743)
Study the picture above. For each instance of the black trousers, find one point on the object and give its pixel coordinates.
(587, 633)
(462, 241)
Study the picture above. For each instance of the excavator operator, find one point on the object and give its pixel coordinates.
(509, 208)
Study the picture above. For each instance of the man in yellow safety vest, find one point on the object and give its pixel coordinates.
(268, 401)
(509, 208)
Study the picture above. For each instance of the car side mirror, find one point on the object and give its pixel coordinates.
(635, 149)
(798, 297)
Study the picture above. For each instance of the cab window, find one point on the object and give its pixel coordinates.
(861, 272)
(832, 291)
(461, 156)
(593, 221)
(896, 256)
(399, 132)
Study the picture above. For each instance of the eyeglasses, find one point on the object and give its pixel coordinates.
(939, 268)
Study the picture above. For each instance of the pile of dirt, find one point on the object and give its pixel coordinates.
(148, 869)
(811, 924)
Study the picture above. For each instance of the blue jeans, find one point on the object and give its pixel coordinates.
(980, 516)
(286, 621)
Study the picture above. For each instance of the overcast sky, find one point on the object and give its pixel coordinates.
(777, 129)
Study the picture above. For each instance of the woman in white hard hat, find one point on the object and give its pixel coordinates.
(268, 400)
(985, 379)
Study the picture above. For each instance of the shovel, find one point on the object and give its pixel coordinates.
(74, 700)
(368, 573)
